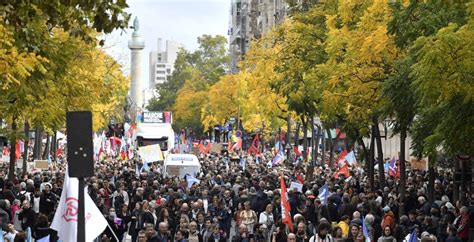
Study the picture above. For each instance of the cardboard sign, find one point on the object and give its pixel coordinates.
(151, 153)
(296, 185)
(41, 164)
(420, 165)
(216, 148)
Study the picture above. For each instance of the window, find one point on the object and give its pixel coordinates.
(168, 70)
(160, 72)
(160, 65)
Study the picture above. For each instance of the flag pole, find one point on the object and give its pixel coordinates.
(81, 222)
(112, 231)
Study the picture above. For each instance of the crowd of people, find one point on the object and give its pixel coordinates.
(240, 202)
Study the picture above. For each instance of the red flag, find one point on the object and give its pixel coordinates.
(344, 170)
(255, 147)
(59, 152)
(208, 147)
(17, 150)
(342, 155)
(285, 206)
(114, 141)
(300, 178)
(398, 170)
(237, 145)
(297, 152)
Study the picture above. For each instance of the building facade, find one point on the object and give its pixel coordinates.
(250, 19)
(161, 65)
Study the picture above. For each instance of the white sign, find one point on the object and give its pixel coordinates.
(153, 117)
(296, 185)
(150, 153)
(157, 117)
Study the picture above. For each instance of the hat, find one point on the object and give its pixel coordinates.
(425, 234)
(386, 209)
(308, 192)
(269, 193)
(449, 206)
(252, 191)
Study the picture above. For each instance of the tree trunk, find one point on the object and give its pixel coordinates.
(297, 134)
(332, 148)
(456, 193)
(25, 152)
(370, 164)
(46, 148)
(305, 139)
(431, 177)
(11, 167)
(38, 144)
(401, 167)
(288, 133)
(379, 153)
(323, 154)
(55, 144)
(331, 145)
(364, 148)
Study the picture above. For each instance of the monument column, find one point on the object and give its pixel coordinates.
(136, 45)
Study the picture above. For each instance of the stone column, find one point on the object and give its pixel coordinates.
(136, 45)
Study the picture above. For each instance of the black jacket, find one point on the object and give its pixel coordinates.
(27, 218)
(47, 203)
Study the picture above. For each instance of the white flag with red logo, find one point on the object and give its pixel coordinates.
(65, 218)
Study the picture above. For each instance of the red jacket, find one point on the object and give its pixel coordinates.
(463, 228)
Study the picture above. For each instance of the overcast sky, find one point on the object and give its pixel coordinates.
(179, 20)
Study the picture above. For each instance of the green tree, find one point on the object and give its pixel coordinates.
(409, 22)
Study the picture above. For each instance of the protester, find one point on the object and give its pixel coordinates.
(242, 201)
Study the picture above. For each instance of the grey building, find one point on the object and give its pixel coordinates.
(250, 19)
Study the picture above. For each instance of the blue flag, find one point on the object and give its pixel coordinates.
(413, 237)
(280, 156)
(323, 194)
(145, 167)
(365, 232)
(1, 236)
(44, 239)
(29, 238)
(191, 180)
(137, 171)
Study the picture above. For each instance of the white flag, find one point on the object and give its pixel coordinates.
(65, 218)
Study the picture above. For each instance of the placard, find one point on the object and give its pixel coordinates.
(151, 153)
(41, 164)
(296, 185)
(156, 117)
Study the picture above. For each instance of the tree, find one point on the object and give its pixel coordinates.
(189, 104)
(361, 55)
(258, 103)
(221, 102)
(444, 76)
(33, 26)
(409, 22)
(195, 73)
